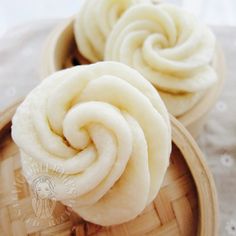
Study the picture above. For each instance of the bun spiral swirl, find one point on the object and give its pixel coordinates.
(94, 22)
(170, 48)
(106, 130)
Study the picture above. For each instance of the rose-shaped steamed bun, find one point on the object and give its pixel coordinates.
(104, 128)
(170, 48)
(94, 22)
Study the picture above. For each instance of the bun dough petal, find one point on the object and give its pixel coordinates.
(123, 197)
(178, 104)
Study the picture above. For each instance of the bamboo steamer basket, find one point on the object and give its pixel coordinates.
(61, 52)
(186, 204)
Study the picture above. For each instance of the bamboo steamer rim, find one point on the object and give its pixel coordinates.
(207, 197)
(63, 34)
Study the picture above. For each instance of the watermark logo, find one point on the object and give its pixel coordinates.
(43, 200)
(47, 211)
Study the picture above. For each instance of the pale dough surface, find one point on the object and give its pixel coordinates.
(170, 48)
(104, 129)
(94, 22)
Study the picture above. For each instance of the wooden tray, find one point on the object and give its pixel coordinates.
(186, 204)
(61, 52)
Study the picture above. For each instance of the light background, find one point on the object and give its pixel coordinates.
(16, 12)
